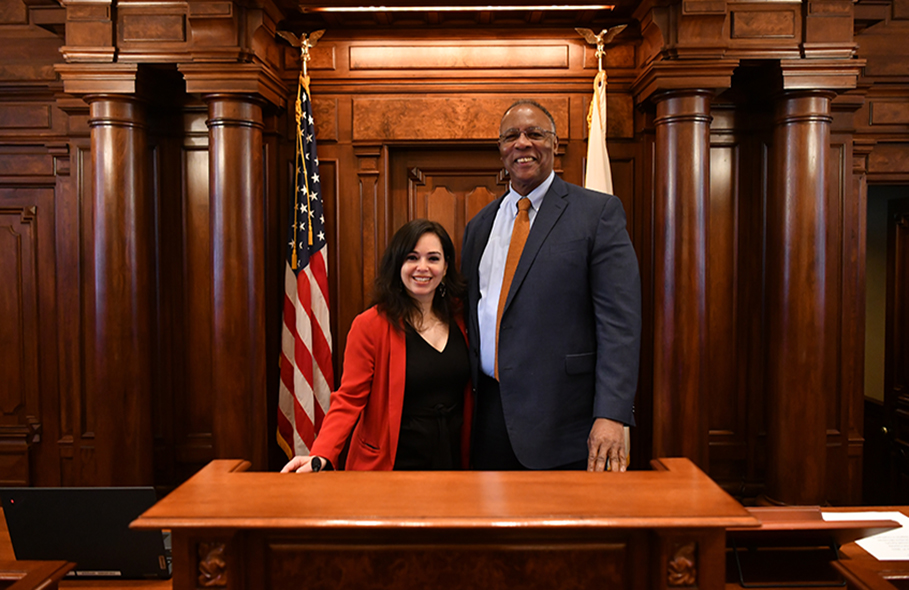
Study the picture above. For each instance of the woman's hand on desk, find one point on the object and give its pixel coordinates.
(306, 464)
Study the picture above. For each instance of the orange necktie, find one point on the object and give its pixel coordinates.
(515, 247)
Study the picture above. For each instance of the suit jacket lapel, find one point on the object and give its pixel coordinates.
(483, 222)
(551, 209)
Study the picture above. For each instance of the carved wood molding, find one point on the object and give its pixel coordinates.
(682, 570)
(861, 150)
(89, 27)
(211, 566)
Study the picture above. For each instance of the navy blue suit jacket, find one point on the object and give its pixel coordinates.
(569, 340)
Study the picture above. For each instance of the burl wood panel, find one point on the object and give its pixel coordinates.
(25, 116)
(889, 112)
(451, 567)
(420, 119)
(748, 24)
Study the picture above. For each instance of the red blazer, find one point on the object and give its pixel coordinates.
(372, 389)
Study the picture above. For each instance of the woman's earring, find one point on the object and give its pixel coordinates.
(442, 289)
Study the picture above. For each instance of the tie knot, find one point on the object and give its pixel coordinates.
(523, 204)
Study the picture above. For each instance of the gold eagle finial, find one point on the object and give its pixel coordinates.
(605, 37)
(304, 42)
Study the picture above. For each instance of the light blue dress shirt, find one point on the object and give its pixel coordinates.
(492, 267)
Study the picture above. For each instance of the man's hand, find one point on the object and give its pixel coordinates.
(606, 441)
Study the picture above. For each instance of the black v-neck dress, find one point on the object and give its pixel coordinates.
(433, 414)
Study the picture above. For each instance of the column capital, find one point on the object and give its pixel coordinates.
(233, 78)
(713, 75)
(96, 78)
(836, 75)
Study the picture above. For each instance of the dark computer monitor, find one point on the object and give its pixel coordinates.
(88, 526)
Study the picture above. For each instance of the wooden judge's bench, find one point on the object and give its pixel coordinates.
(655, 529)
(662, 529)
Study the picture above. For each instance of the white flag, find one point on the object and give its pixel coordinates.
(599, 175)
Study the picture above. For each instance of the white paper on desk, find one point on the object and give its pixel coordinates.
(888, 546)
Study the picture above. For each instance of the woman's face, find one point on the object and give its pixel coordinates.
(424, 268)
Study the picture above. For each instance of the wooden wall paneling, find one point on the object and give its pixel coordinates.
(34, 168)
(66, 299)
(238, 259)
(274, 143)
(372, 220)
(342, 207)
(74, 251)
(839, 345)
(751, 290)
(624, 161)
(347, 257)
(167, 287)
(797, 275)
(166, 144)
(195, 398)
(854, 294)
(81, 435)
(20, 407)
(727, 400)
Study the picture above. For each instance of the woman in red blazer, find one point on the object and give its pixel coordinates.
(405, 390)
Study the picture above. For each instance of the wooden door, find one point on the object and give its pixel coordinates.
(896, 356)
(446, 184)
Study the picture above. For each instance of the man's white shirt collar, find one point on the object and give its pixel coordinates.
(536, 195)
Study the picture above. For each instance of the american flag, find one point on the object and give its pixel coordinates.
(306, 369)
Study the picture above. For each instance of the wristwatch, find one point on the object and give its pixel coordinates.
(318, 464)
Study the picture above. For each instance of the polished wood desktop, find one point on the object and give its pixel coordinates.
(656, 529)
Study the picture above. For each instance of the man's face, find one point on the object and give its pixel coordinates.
(529, 160)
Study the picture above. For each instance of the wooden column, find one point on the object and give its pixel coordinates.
(120, 333)
(681, 186)
(797, 275)
(238, 286)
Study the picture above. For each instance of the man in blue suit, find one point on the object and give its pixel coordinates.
(556, 389)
